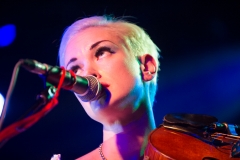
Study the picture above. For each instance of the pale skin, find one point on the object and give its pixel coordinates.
(126, 114)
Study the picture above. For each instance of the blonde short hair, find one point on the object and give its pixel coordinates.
(136, 39)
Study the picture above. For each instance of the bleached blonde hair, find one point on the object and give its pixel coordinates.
(136, 39)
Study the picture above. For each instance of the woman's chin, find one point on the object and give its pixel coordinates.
(101, 102)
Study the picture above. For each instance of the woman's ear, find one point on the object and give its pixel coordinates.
(148, 67)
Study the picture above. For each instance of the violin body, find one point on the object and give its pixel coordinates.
(167, 144)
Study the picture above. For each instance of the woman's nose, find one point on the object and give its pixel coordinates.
(90, 70)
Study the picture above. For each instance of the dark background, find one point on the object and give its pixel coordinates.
(200, 66)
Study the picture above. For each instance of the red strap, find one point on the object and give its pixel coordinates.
(22, 125)
(75, 79)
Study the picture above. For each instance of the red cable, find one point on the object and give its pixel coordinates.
(75, 80)
(22, 125)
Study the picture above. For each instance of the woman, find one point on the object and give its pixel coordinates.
(125, 61)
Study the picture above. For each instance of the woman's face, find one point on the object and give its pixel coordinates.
(100, 52)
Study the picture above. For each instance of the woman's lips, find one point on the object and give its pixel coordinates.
(105, 85)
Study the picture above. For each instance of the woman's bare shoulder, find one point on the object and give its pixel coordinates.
(91, 155)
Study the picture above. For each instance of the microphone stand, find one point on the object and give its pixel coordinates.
(42, 99)
(28, 119)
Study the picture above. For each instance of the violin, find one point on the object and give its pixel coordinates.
(192, 137)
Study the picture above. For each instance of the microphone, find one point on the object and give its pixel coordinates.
(88, 88)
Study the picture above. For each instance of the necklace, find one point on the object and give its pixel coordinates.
(103, 158)
(100, 152)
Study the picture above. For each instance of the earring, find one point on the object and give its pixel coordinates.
(154, 69)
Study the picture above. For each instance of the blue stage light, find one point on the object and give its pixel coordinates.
(7, 34)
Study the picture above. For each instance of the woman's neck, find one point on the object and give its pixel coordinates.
(129, 141)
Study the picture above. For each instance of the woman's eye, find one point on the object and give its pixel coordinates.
(103, 51)
(75, 69)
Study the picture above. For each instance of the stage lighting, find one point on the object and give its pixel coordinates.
(7, 34)
(1, 103)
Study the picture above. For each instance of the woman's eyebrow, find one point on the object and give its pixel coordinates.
(95, 44)
(70, 61)
(92, 46)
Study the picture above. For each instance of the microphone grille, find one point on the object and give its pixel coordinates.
(94, 89)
